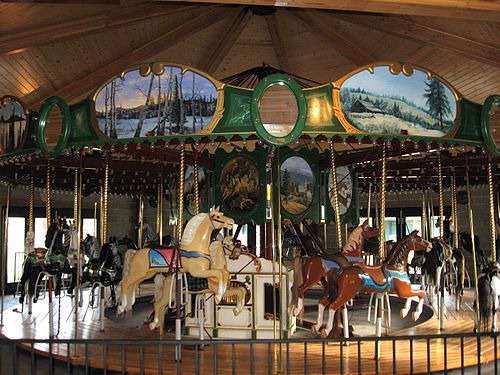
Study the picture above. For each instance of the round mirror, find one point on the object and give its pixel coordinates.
(297, 185)
(278, 110)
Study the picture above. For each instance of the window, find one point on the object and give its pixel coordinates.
(391, 229)
(15, 248)
(89, 227)
(40, 231)
(413, 223)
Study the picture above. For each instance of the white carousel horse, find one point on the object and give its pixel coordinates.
(193, 256)
(489, 294)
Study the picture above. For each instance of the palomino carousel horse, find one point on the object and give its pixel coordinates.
(391, 276)
(489, 294)
(192, 256)
(309, 271)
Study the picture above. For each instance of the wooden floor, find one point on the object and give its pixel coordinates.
(260, 358)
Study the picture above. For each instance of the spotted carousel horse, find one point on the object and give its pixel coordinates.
(391, 276)
(488, 285)
(195, 255)
(103, 268)
(309, 271)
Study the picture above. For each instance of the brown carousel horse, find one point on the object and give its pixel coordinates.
(309, 271)
(196, 255)
(391, 276)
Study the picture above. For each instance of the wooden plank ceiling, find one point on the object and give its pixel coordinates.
(70, 49)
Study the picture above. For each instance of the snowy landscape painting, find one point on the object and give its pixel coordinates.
(156, 105)
(384, 103)
(297, 185)
(12, 124)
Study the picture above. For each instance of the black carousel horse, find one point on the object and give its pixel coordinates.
(51, 260)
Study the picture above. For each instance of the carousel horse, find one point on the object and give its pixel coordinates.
(191, 256)
(51, 260)
(436, 263)
(104, 267)
(391, 276)
(488, 285)
(309, 271)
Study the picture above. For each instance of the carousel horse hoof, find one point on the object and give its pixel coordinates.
(314, 330)
(416, 316)
(323, 333)
(237, 311)
(403, 313)
(296, 311)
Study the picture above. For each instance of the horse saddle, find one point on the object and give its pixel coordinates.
(376, 273)
(335, 261)
(163, 257)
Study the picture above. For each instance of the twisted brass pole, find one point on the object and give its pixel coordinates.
(369, 205)
(31, 206)
(181, 193)
(49, 196)
(383, 177)
(491, 194)
(335, 195)
(441, 198)
(471, 227)
(425, 228)
(196, 186)
(105, 202)
(455, 210)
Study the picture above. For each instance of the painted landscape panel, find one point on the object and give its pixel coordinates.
(189, 200)
(12, 124)
(297, 185)
(344, 189)
(239, 185)
(156, 105)
(384, 103)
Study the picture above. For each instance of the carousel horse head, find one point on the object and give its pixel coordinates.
(54, 241)
(218, 220)
(91, 247)
(398, 255)
(232, 248)
(355, 244)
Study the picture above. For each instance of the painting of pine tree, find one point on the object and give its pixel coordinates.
(385, 103)
(156, 105)
(297, 185)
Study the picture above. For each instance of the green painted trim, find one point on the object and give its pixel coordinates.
(260, 89)
(485, 123)
(66, 126)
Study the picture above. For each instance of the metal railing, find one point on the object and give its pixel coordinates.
(367, 355)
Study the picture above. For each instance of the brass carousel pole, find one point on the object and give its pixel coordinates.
(491, 193)
(425, 228)
(105, 202)
(49, 252)
(279, 234)
(441, 235)
(178, 320)
(369, 205)
(101, 213)
(381, 244)
(4, 249)
(454, 214)
(77, 226)
(196, 186)
(336, 208)
(31, 218)
(471, 227)
(49, 197)
(159, 213)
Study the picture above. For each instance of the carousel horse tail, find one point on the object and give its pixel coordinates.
(298, 280)
(126, 263)
(333, 283)
(460, 263)
(485, 296)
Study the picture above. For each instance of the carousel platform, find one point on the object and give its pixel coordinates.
(149, 356)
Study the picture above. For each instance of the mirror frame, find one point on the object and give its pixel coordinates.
(258, 93)
(42, 122)
(485, 123)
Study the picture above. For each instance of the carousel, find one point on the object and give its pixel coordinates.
(270, 230)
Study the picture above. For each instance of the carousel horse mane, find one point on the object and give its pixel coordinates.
(398, 255)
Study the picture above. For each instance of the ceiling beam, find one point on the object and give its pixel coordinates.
(332, 34)
(278, 42)
(481, 10)
(407, 29)
(29, 37)
(89, 81)
(226, 42)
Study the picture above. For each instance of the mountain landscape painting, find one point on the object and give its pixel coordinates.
(297, 185)
(12, 124)
(385, 103)
(156, 105)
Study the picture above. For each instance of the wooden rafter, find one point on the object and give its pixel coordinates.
(278, 42)
(331, 33)
(482, 10)
(87, 82)
(410, 30)
(58, 32)
(230, 36)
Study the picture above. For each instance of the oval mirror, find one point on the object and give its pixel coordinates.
(53, 128)
(278, 110)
